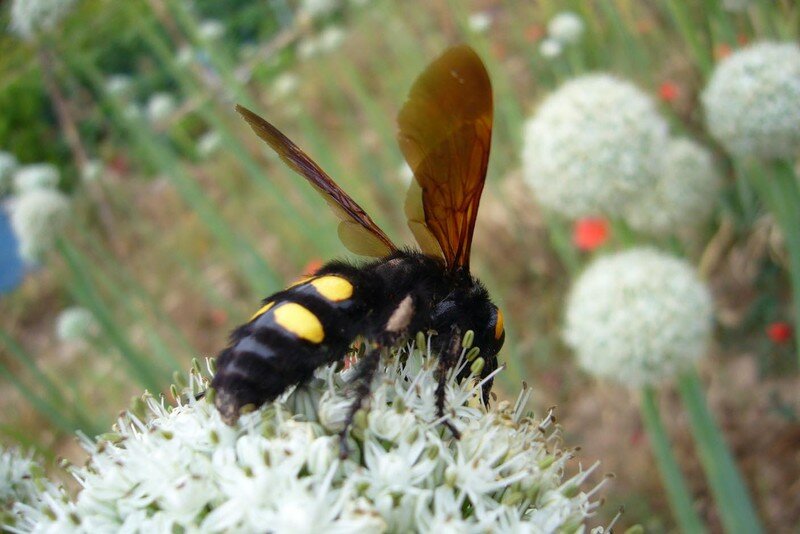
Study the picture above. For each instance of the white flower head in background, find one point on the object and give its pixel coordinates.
(30, 18)
(8, 166)
(284, 85)
(210, 30)
(118, 84)
(19, 483)
(479, 22)
(405, 173)
(316, 8)
(684, 196)
(76, 324)
(565, 27)
(592, 145)
(37, 217)
(36, 176)
(330, 38)
(159, 107)
(638, 317)
(173, 468)
(752, 102)
(184, 56)
(550, 48)
(93, 171)
(209, 143)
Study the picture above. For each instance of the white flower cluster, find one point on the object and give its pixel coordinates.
(563, 29)
(328, 40)
(752, 102)
(159, 107)
(278, 469)
(8, 165)
(209, 143)
(683, 197)
(19, 483)
(638, 317)
(30, 18)
(210, 30)
(593, 145)
(36, 176)
(479, 21)
(76, 324)
(118, 84)
(37, 216)
(316, 8)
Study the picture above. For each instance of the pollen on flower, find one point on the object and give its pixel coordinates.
(182, 468)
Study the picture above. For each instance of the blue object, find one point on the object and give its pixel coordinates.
(12, 268)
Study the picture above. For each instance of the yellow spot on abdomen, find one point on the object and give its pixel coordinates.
(333, 288)
(300, 322)
(498, 327)
(261, 311)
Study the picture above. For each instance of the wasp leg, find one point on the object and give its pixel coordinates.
(448, 359)
(365, 372)
(395, 328)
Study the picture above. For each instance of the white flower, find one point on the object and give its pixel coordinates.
(685, 194)
(405, 173)
(209, 143)
(182, 468)
(92, 171)
(316, 8)
(308, 47)
(593, 145)
(330, 38)
(565, 27)
(479, 22)
(185, 56)
(37, 217)
(638, 317)
(32, 17)
(752, 102)
(8, 165)
(160, 106)
(550, 48)
(284, 85)
(210, 30)
(20, 482)
(75, 324)
(36, 176)
(118, 84)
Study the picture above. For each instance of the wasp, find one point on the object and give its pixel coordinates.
(444, 132)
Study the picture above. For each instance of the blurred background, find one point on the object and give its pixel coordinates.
(158, 220)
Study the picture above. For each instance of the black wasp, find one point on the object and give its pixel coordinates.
(444, 132)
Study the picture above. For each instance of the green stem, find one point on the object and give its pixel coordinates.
(730, 493)
(677, 492)
(780, 193)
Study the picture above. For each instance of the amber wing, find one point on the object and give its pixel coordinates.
(445, 133)
(357, 230)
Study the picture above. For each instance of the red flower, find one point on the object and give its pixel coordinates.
(669, 91)
(589, 233)
(779, 332)
(312, 267)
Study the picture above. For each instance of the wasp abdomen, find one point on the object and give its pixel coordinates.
(296, 330)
